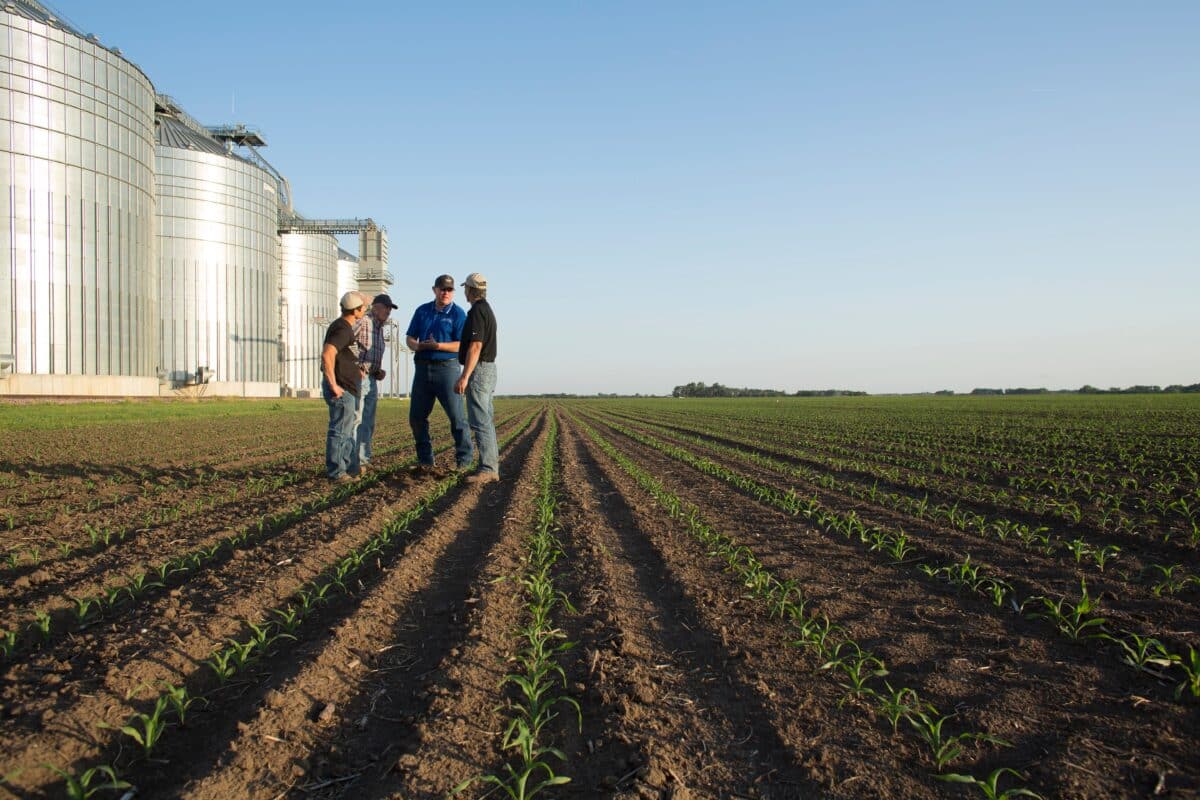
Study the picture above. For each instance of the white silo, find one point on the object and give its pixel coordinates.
(218, 221)
(78, 277)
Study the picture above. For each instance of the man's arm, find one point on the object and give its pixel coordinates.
(473, 351)
(328, 355)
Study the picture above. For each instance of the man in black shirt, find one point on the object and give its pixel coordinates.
(339, 386)
(477, 354)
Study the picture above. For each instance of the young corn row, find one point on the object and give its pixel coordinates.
(101, 537)
(1170, 500)
(1038, 538)
(45, 625)
(1074, 620)
(276, 625)
(539, 681)
(858, 671)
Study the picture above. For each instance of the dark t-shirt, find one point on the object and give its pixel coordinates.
(480, 327)
(345, 366)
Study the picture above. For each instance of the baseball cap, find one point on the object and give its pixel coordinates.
(351, 301)
(476, 281)
(384, 300)
(444, 282)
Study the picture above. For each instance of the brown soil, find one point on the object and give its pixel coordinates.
(687, 687)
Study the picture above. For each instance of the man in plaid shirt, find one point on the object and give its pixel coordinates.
(368, 334)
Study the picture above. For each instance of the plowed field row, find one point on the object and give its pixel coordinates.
(364, 641)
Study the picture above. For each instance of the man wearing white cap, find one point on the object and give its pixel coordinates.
(340, 387)
(477, 354)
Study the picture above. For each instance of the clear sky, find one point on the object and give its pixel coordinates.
(886, 196)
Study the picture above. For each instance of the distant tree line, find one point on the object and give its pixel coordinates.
(1089, 389)
(699, 389)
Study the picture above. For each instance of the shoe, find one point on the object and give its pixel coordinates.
(363, 469)
(423, 469)
(343, 478)
(483, 477)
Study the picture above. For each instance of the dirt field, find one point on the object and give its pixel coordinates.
(354, 641)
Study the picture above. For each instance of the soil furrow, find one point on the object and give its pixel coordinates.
(961, 657)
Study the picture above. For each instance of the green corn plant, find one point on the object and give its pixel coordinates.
(180, 701)
(84, 606)
(898, 703)
(41, 624)
(1142, 651)
(945, 748)
(84, 786)
(857, 669)
(8, 642)
(138, 586)
(221, 663)
(1102, 555)
(146, 729)
(1079, 548)
(289, 619)
(996, 589)
(1190, 664)
(1072, 620)
(990, 786)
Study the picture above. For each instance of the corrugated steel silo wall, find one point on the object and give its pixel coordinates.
(308, 287)
(347, 276)
(218, 225)
(78, 277)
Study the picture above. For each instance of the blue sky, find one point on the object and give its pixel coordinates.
(879, 196)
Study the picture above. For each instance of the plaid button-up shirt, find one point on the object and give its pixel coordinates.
(369, 336)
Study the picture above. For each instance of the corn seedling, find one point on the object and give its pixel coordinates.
(83, 786)
(146, 729)
(180, 701)
(945, 748)
(1142, 651)
(41, 624)
(1072, 620)
(221, 663)
(1190, 664)
(990, 786)
(898, 703)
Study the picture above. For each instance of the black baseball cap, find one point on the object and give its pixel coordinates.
(384, 300)
(444, 282)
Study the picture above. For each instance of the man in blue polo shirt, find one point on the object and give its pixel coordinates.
(433, 336)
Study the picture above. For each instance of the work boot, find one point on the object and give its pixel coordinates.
(483, 477)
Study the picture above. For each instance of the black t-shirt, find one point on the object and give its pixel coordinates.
(480, 327)
(345, 365)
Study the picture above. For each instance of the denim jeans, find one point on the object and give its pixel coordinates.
(480, 388)
(435, 381)
(368, 399)
(341, 456)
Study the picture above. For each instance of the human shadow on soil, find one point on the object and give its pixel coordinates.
(410, 692)
(211, 731)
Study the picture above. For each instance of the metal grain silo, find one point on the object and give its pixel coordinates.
(78, 277)
(309, 302)
(218, 221)
(347, 272)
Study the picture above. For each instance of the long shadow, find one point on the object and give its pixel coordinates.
(408, 698)
(699, 650)
(193, 753)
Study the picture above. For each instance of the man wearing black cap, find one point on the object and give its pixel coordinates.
(368, 333)
(433, 336)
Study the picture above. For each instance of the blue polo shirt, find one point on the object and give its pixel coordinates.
(444, 326)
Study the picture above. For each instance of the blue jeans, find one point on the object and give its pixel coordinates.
(341, 456)
(435, 381)
(480, 389)
(369, 397)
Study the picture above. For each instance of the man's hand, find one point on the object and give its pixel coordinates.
(337, 391)
(429, 344)
(380, 374)
(460, 386)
